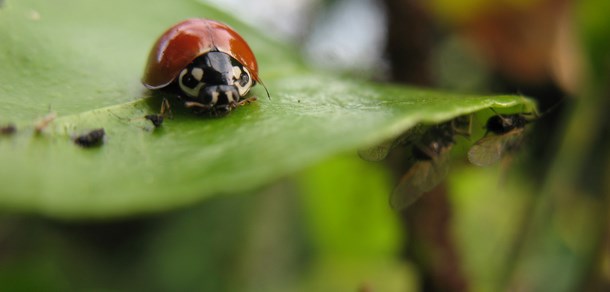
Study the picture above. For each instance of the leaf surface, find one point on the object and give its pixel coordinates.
(85, 63)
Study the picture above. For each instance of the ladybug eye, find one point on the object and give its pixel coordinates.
(187, 79)
(244, 79)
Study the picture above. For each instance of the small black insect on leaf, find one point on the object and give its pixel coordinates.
(503, 136)
(155, 119)
(90, 139)
(428, 165)
(380, 151)
(8, 129)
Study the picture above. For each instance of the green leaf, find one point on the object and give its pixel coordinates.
(86, 65)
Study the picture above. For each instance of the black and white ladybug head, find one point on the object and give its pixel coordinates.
(215, 78)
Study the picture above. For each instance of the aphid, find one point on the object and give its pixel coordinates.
(504, 135)
(155, 119)
(430, 162)
(8, 129)
(211, 65)
(90, 139)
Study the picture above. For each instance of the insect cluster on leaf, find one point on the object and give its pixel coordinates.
(428, 163)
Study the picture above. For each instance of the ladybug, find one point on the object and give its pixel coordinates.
(211, 66)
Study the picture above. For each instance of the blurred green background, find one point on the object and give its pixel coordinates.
(535, 222)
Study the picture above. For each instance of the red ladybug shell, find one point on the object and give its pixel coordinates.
(189, 39)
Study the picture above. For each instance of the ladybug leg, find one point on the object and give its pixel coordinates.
(233, 105)
(222, 110)
(166, 109)
(197, 107)
(247, 101)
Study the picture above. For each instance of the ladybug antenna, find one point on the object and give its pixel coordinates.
(266, 90)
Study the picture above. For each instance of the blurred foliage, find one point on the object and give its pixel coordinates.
(593, 24)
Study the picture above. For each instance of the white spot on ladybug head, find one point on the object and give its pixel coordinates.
(215, 95)
(188, 84)
(229, 95)
(197, 73)
(236, 72)
(243, 80)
